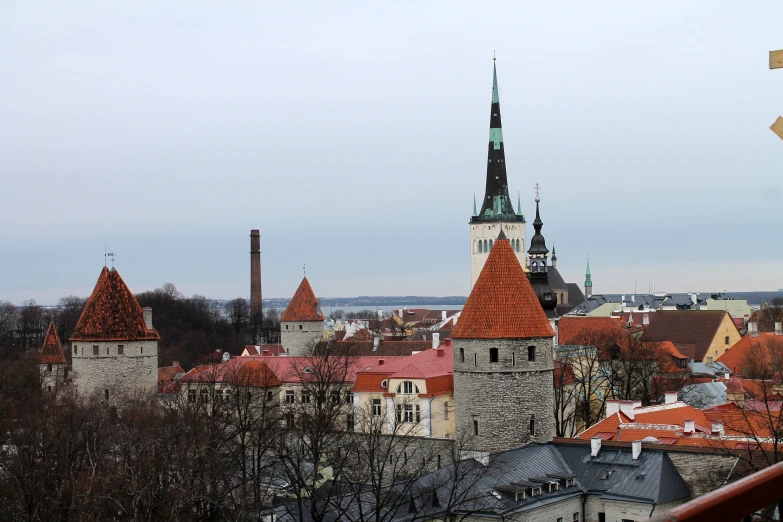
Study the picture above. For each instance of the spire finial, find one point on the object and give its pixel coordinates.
(474, 204)
(493, 56)
(304, 270)
(537, 188)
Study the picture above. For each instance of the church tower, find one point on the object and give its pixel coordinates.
(588, 281)
(503, 358)
(497, 211)
(302, 323)
(115, 347)
(539, 277)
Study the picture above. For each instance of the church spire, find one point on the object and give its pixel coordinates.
(539, 277)
(554, 257)
(497, 202)
(588, 280)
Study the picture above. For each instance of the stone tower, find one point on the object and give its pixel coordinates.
(503, 366)
(52, 362)
(115, 347)
(497, 211)
(539, 275)
(302, 323)
(255, 274)
(588, 281)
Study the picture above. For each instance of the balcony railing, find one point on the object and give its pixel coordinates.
(735, 502)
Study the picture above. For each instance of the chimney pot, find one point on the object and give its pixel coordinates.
(175, 363)
(627, 407)
(443, 315)
(778, 328)
(595, 446)
(147, 317)
(636, 449)
(435, 340)
(670, 397)
(717, 428)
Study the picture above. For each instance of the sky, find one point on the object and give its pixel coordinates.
(354, 136)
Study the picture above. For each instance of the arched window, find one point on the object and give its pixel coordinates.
(481, 248)
(485, 246)
(462, 355)
(490, 244)
(518, 247)
(493, 355)
(474, 246)
(407, 387)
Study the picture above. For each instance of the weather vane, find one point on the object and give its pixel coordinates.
(111, 256)
(304, 270)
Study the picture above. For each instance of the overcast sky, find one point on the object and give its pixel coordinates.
(353, 135)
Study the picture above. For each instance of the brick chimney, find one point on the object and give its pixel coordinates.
(255, 273)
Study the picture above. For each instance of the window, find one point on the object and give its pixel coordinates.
(249, 396)
(446, 410)
(335, 396)
(48, 388)
(575, 517)
(493, 355)
(349, 422)
(481, 248)
(418, 414)
(462, 355)
(601, 517)
(726, 340)
(191, 395)
(407, 387)
(290, 420)
(475, 359)
(559, 519)
(75, 350)
(531, 353)
(269, 396)
(306, 396)
(49, 367)
(475, 427)
(348, 397)
(490, 244)
(532, 425)
(513, 359)
(142, 350)
(438, 460)
(286, 327)
(106, 394)
(289, 397)
(300, 326)
(120, 349)
(376, 407)
(408, 410)
(107, 350)
(570, 482)
(204, 394)
(95, 349)
(535, 492)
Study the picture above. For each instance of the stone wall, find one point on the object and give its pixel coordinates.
(135, 370)
(703, 472)
(299, 338)
(503, 396)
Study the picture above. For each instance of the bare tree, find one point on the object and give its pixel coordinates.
(567, 399)
(238, 311)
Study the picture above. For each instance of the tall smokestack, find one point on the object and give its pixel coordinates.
(255, 273)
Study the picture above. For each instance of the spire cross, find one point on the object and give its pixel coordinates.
(304, 270)
(537, 188)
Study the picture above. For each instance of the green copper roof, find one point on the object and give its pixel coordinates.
(495, 97)
(588, 276)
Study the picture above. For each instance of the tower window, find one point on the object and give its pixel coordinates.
(75, 350)
(493, 355)
(49, 367)
(475, 359)
(490, 244)
(95, 349)
(531, 353)
(462, 355)
(726, 340)
(532, 425)
(107, 350)
(475, 427)
(142, 350)
(300, 326)
(106, 394)
(513, 359)
(481, 248)
(120, 349)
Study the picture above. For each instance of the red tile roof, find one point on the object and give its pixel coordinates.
(698, 327)
(303, 306)
(52, 349)
(436, 367)
(166, 376)
(263, 349)
(112, 313)
(357, 348)
(502, 304)
(585, 331)
(735, 356)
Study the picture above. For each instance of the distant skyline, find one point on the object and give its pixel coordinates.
(354, 137)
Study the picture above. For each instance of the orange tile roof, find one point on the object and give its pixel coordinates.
(112, 313)
(436, 367)
(52, 349)
(735, 356)
(579, 331)
(303, 305)
(502, 304)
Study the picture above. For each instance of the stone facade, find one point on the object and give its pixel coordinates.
(300, 337)
(703, 472)
(495, 402)
(112, 373)
(489, 232)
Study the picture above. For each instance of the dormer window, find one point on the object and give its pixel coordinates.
(407, 388)
(570, 482)
(535, 492)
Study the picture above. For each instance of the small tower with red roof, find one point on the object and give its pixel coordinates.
(52, 361)
(302, 323)
(115, 347)
(503, 345)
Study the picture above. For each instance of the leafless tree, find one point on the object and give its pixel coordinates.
(238, 312)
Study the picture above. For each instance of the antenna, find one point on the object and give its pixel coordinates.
(104, 254)
(304, 270)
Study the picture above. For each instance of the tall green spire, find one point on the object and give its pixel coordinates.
(519, 205)
(588, 275)
(495, 97)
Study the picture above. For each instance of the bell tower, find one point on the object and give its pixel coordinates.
(497, 212)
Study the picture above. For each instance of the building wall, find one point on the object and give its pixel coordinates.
(299, 338)
(136, 370)
(490, 231)
(617, 510)
(703, 472)
(50, 379)
(503, 397)
(736, 307)
(440, 426)
(718, 345)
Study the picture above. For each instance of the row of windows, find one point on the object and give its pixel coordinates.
(485, 247)
(377, 410)
(286, 327)
(305, 397)
(494, 356)
(96, 349)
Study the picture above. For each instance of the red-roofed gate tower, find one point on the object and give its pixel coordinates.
(115, 347)
(503, 366)
(302, 323)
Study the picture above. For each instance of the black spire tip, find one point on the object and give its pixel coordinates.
(502, 235)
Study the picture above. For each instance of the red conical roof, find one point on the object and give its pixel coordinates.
(112, 313)
(502, 304)
(303, 306)
(52, 349)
